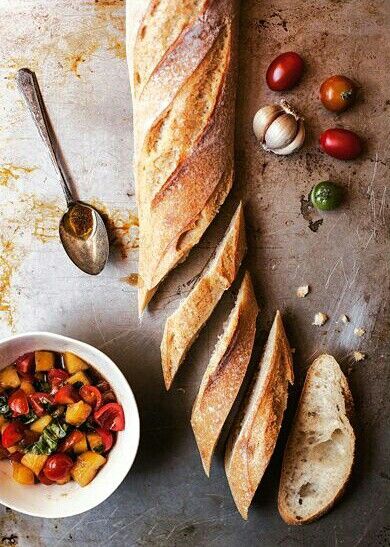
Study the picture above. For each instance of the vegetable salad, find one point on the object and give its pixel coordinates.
(58, 418)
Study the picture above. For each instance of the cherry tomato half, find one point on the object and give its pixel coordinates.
(57, 377)
(73, 438)
(57, 467)
(18, 403)
(38, 401)
(44, 480)
(106, 437)
(285, 71)
(337, 93)
(92, 396)
(66, 395)
(12, 434)
(110, 416)
(341, 143)
(25, 364)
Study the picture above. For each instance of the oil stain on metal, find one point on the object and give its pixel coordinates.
(10, 172)
(34, 220)
(308, 212)
(122, 228)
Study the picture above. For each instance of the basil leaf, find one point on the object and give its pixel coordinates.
(28, 418)
(41, 386)
(48, 441)
(87, 426)
(4, 407)
(99, 449)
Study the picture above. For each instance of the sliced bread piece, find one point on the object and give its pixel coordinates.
(253, 438)
(320, 450)
(225, 373)
(183, 326)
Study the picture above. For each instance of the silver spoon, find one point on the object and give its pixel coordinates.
(82, 230)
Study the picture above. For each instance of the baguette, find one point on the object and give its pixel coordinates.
(225, 373)
(320, 450)
(252, 441)
(182, 60)
(183, 326)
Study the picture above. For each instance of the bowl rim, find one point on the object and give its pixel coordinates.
(135, 427)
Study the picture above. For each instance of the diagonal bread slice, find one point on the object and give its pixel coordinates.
(225, 373)
(183, 326)
(320, 450)
(252, 440)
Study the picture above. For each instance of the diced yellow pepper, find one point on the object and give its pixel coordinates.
(44, 361)
(27, 387)
(9, 378)
(95, 442)
(86, 467)
(12, 449)
(77, 413)
(39, 425)
(22, 474)
(79, 377)
(73, 363)
(35, 462)
(81, 446)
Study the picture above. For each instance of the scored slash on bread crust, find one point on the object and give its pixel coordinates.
(253, 438)
(183, 326)
(320, 450)
(225, 373)
(182, 61)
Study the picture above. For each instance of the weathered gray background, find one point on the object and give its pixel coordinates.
(77, 49)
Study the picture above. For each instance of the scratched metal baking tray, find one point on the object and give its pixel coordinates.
(77, 50)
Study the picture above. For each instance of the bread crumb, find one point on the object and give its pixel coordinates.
(359, 331)
(359, 356)
(345, 319)
(320, 319)
(303, 291)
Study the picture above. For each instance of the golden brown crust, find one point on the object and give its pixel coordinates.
(182, 59)
(253, 438)
(183, 326)
(225, 373)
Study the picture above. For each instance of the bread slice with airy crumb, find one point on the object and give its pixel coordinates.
(183, 326)
(253, 438)
(225, 373)
(320, 450)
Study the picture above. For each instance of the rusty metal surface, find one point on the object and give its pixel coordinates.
(77, 49)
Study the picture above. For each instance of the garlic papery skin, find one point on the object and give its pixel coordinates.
(281, 132)
(294, 144)
(279, 128)
(263, 119)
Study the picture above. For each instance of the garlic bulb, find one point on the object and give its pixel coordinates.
(280, 129)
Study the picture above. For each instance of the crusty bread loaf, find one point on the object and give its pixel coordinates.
(253, 438)
(225, 373)
(183, 326)
(320, 450)
(182, 60)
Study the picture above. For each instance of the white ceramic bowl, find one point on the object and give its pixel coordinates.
(70, 499)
